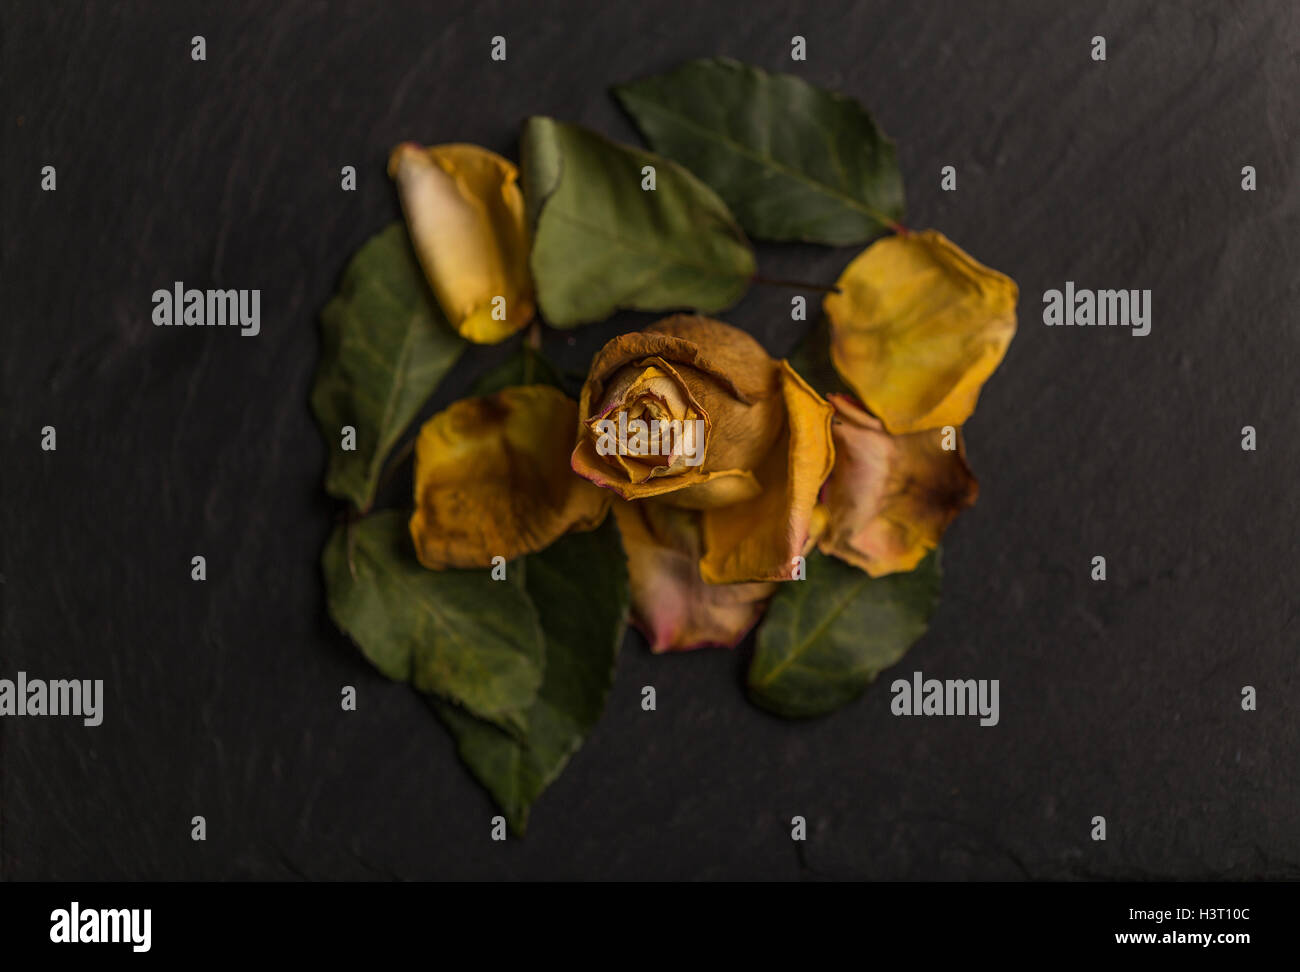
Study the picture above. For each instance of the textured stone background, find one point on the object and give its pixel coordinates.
(1119, 699)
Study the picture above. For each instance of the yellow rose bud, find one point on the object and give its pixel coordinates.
(465, 214)
(748, 441)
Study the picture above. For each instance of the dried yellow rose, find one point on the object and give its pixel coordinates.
(714, 514)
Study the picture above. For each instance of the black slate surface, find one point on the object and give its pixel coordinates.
(1119, 699)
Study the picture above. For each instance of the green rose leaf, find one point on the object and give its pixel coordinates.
(603, 243)
(455, 634)
(794, 161)
(827, 637)
(386, 347)
(580, 587)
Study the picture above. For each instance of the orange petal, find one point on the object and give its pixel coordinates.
(671, 603)
(890, 497)
(917, 329)
(492, 479)
(759, 538)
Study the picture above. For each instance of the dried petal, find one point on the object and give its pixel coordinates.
(890, 497)
(917, 329)
(671, 603)
(465, 214)
(492, 478)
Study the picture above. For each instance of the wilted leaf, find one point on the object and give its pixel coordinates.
(793, 161)
(917, 328)
(580, 588)
(456, 634)
(603, 243)
(827, 637)
(386, 347)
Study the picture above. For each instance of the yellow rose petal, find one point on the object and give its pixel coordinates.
(671, 603)
(890, 498)
(718, 489)
(465, 214)
(758, 539)
(917, 329)
(492, 478)
(697, 489)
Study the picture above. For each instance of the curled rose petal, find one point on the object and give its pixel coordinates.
(713, 382)
(671, 603)
(890, 497)
(918, 327)
(758, 539)
(465, 214)
(492, 478)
